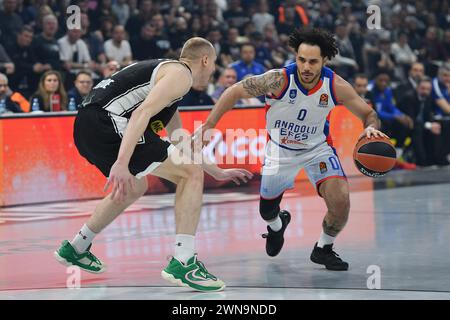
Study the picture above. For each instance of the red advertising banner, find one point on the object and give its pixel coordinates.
(40, 163)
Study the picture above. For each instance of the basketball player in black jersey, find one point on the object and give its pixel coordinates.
(116, 130)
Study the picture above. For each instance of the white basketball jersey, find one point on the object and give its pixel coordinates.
(298, 118)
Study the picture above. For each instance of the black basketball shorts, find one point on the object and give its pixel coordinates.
(98, 134)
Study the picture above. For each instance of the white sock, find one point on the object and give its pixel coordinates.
(275, 224)
(184, 247)
(325, 239)
(83, 239)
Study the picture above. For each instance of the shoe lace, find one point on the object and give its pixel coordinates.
(335, 254)
(93, 258)
(203, 269)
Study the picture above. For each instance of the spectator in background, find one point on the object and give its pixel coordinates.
(324, 20)
(403, 55)
(145, 14)
(227, 78)
(94, 44)
(45, 47)
(383, 60)
(215, 37)
(426, 135)
(27, 68)
(118, 48)
(441, 105)
(50, 95)
(432, 47)
(74, 54)
(161, 37)
(231, 48)
(42, 11)
(214, 11)
(106, 29)
(6, 64)
(103, 11)
(300, 15)
(207, 23)
(360, 83)
(447, 44)
(134, 10)
(278, 50)
(83, 85)
(357, 37)
(394, 123)
(345, 61)
(122, 11)
(287, 24)
(10, 22)
(441, 90)
(197, 96)
(247, 65)
(408, 87)
(414, 34)
(179, 33)
(144, 46)
(262, 17)
(262, 53)
(235, 15)
(6, 104)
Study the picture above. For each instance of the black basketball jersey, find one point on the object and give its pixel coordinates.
(126, 89)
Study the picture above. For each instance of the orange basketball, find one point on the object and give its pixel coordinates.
(374, 157)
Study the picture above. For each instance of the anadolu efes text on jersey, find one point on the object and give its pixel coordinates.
(298, 119)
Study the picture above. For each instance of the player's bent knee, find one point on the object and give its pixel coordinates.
(269, 208)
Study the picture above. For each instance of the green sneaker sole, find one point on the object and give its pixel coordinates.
(178, 282)
(68, 264)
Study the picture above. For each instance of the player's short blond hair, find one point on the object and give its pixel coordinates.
(195, 48)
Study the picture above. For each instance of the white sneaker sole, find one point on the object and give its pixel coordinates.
(68, 264)
(178, 282)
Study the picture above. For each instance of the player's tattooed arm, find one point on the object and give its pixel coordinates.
(271, 82)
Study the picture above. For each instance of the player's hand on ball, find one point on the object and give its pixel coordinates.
(235, 175)
(370, 132)
(122, 182)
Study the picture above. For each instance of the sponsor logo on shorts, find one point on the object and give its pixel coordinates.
(323, 167)
(323, 101)
(157, 126)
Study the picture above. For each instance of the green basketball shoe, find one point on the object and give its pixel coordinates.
(67, 255)
(193, 274)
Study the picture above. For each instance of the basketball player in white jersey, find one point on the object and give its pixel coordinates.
(116, 130)
(299, 98)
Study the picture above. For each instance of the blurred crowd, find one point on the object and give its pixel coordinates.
(401, 68)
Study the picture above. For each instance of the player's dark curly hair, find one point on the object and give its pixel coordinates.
(314, 36)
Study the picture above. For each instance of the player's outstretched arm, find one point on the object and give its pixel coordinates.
(353, 102)
(236, 175)
(271, 82)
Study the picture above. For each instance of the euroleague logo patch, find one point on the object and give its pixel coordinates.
(323, 101)
(323, 167)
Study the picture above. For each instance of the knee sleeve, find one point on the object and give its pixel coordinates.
(269, 209)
